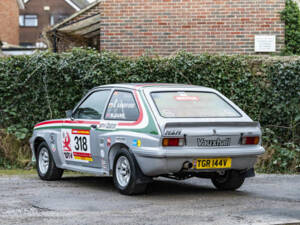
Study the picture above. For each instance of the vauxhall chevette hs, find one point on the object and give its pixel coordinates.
(136, 132)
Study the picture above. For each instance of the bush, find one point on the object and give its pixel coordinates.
(14, 153)
(282, 158)
(291, 17)
(44, 85)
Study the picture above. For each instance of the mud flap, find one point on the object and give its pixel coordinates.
(249, 173)
(142, 179)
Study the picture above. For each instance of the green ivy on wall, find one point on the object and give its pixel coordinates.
(291, 17)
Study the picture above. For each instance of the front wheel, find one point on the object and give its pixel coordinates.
(46, 167)
(229, 181)
(125, 174)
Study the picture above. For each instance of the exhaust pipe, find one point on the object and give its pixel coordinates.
(187, 165)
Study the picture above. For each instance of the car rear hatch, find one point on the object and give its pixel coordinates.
(200, 118)
(211, 134)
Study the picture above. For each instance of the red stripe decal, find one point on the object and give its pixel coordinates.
(49, 122)
(81, 154)
(81, 122)
(151, 84)
(76, 122)
(68, 122)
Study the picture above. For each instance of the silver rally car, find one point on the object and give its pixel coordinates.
(134, 132)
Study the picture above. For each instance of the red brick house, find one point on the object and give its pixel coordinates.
(163, 27)
(39, 14)
(9, 21)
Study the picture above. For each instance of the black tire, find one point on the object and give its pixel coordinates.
(132, 187)
(52, 172)
(230, 181)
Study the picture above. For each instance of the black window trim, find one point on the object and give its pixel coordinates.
(88, 95)
(240, 115)
(122, 90)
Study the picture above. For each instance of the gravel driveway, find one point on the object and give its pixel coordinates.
(265, 199)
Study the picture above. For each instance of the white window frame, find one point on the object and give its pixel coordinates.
(22, 20)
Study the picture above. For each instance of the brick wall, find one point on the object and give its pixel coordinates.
(131, 27)
(9, 21)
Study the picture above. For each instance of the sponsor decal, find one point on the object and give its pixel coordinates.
(53, 147)
(102, 153)
(76, 145)
(202, 142)
(121, 105)
(52, 139)
(115, 115)
(120, 140)
(108, 126)
(83, 132)
(66, 142)
(101, 142)
(186, 98)
(82, 156)
(108, 142)
(173, 132)
(136, 143)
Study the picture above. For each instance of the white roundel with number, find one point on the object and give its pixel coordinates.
(76, 145)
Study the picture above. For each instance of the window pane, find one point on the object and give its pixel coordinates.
(122, 106)
(93, 106)
(31, 20)
(54, 19)
(192, 104)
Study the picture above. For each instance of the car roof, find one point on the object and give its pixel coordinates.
(137, 86)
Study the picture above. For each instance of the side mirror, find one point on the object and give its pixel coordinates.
(69, 113)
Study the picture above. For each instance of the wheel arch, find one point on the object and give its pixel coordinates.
(113, 152)
(36, 143)
(111, 159)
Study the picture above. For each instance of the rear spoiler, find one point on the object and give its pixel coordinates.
(209, 124)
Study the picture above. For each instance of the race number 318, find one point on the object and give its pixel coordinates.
(80, 143)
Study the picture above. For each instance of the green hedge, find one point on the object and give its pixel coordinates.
(44, 85)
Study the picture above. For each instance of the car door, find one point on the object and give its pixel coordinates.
(79, 139)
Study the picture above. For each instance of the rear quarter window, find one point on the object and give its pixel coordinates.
(122, 106)
(180, 104)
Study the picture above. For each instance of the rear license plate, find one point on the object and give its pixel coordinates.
(216, 163)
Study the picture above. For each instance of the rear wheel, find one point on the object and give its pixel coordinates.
(230, 181)
(46, 167)
(125, 174)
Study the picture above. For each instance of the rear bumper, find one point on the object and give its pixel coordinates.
(155, 162)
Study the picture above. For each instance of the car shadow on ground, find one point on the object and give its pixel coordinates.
(159, 187)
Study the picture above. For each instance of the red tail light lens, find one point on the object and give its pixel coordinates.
(250, 140)
(173, 142)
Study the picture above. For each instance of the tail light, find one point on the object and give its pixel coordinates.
(250, 140)
(173, 142)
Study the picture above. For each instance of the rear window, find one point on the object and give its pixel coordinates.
(192, 104)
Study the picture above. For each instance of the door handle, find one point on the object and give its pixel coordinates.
(93, 126)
